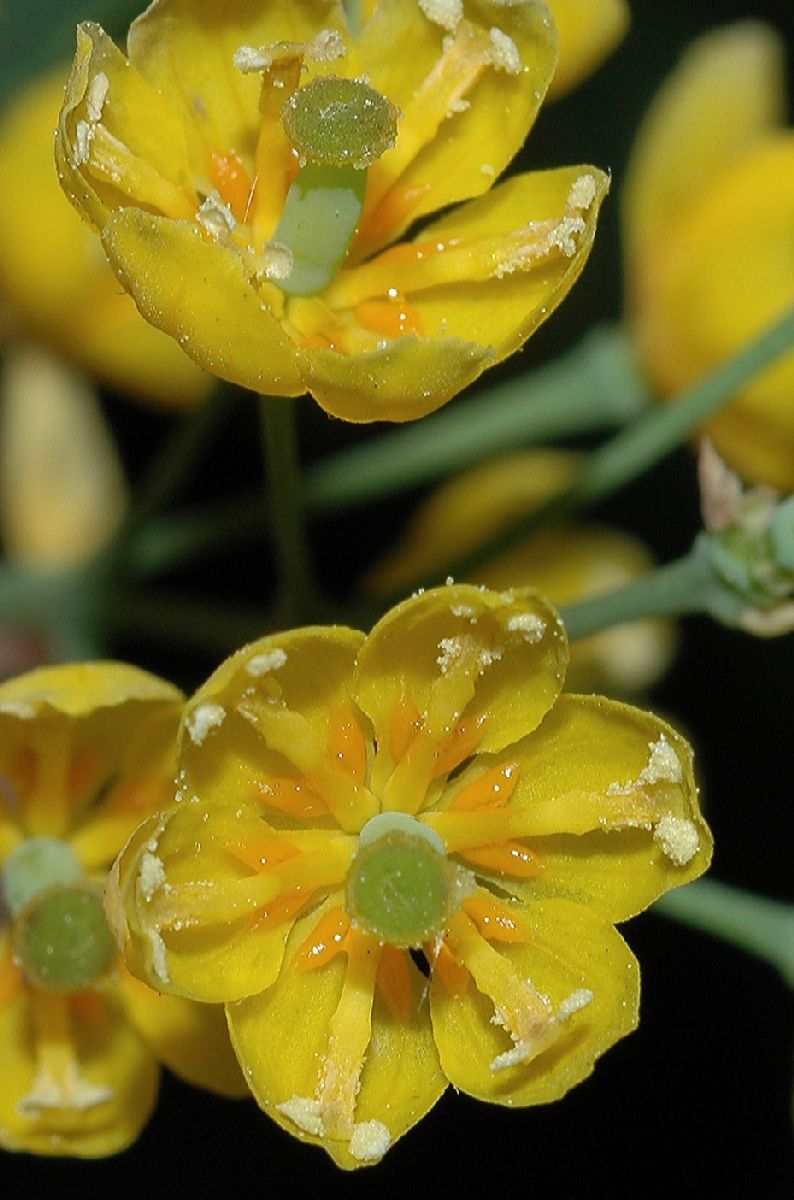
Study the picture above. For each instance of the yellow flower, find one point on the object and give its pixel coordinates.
(589, 30)
(55, 285)
(708, 213)
(280, 262)
(565, 563)
(85, 753)
(399, 858)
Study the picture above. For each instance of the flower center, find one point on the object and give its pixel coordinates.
(401, 886)
(60, 935)
(338, 128)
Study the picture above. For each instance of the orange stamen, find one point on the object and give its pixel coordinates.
(404, 726)
(393, 981)
(293, 796)
(462, 741)
(282, 909)
(84, 775)
(264, 853)
(10, 978)
(143, 794)
(393, 318)
(230, 176)
(491, 790)
(495, 921)
(326, 940)
(89, 1007)
(348, 747)
(394, 212)
(452, 973)
(506, 858)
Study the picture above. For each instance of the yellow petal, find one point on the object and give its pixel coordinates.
(521, 249)
(62, 489)
(400, 1080)
(54, 279)
(88, 749)
(208, 926)
(720, 278)
(606, 798)
(476, 669)
(192, 1040)
(573, 952)
(271, 711)
(407, 379)
(117, 138)
(186, 52)
(727, 90)
(565, 564)
(199, 293)
(76, 690)
(404, 53)
(589, 30)
(77, 1080)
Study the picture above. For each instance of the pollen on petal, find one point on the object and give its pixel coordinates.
(305, 1113)
(369, 1141)
(678, 839)
(446, 13)
(202, 720)
(263, 664)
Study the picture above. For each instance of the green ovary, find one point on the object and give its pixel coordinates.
(399, 889)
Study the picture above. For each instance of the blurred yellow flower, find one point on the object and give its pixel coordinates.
(252, 193)
(86, 752)
(55, 285)
(62, 488)
(708, 209)
(399, 858)
(565, 563)
(589, 30)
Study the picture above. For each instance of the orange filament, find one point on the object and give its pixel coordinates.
(10, 979)
(293, 796)
(394, 212)
(89, 1007)
(491, 790)
(85, 771)
(348, 747)
(264, 854)
(452, 973)
(404, 725)
(393, 982)
(495, 921)
(144, 794)
(282, 909)
(326, 940)
(231, 178)
(505, 858)
(393, 318)
(462, 742)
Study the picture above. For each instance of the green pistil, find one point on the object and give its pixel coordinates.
(59, 931)
(34, 866)
(338, 127)
(400, 887)
(62, 939)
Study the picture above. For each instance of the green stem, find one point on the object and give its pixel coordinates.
(594, 386)
(635, 448)
(662, 429)
(687, 585)
(286, 507)
(756, 924)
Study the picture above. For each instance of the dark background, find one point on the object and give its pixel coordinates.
(699, 1100)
